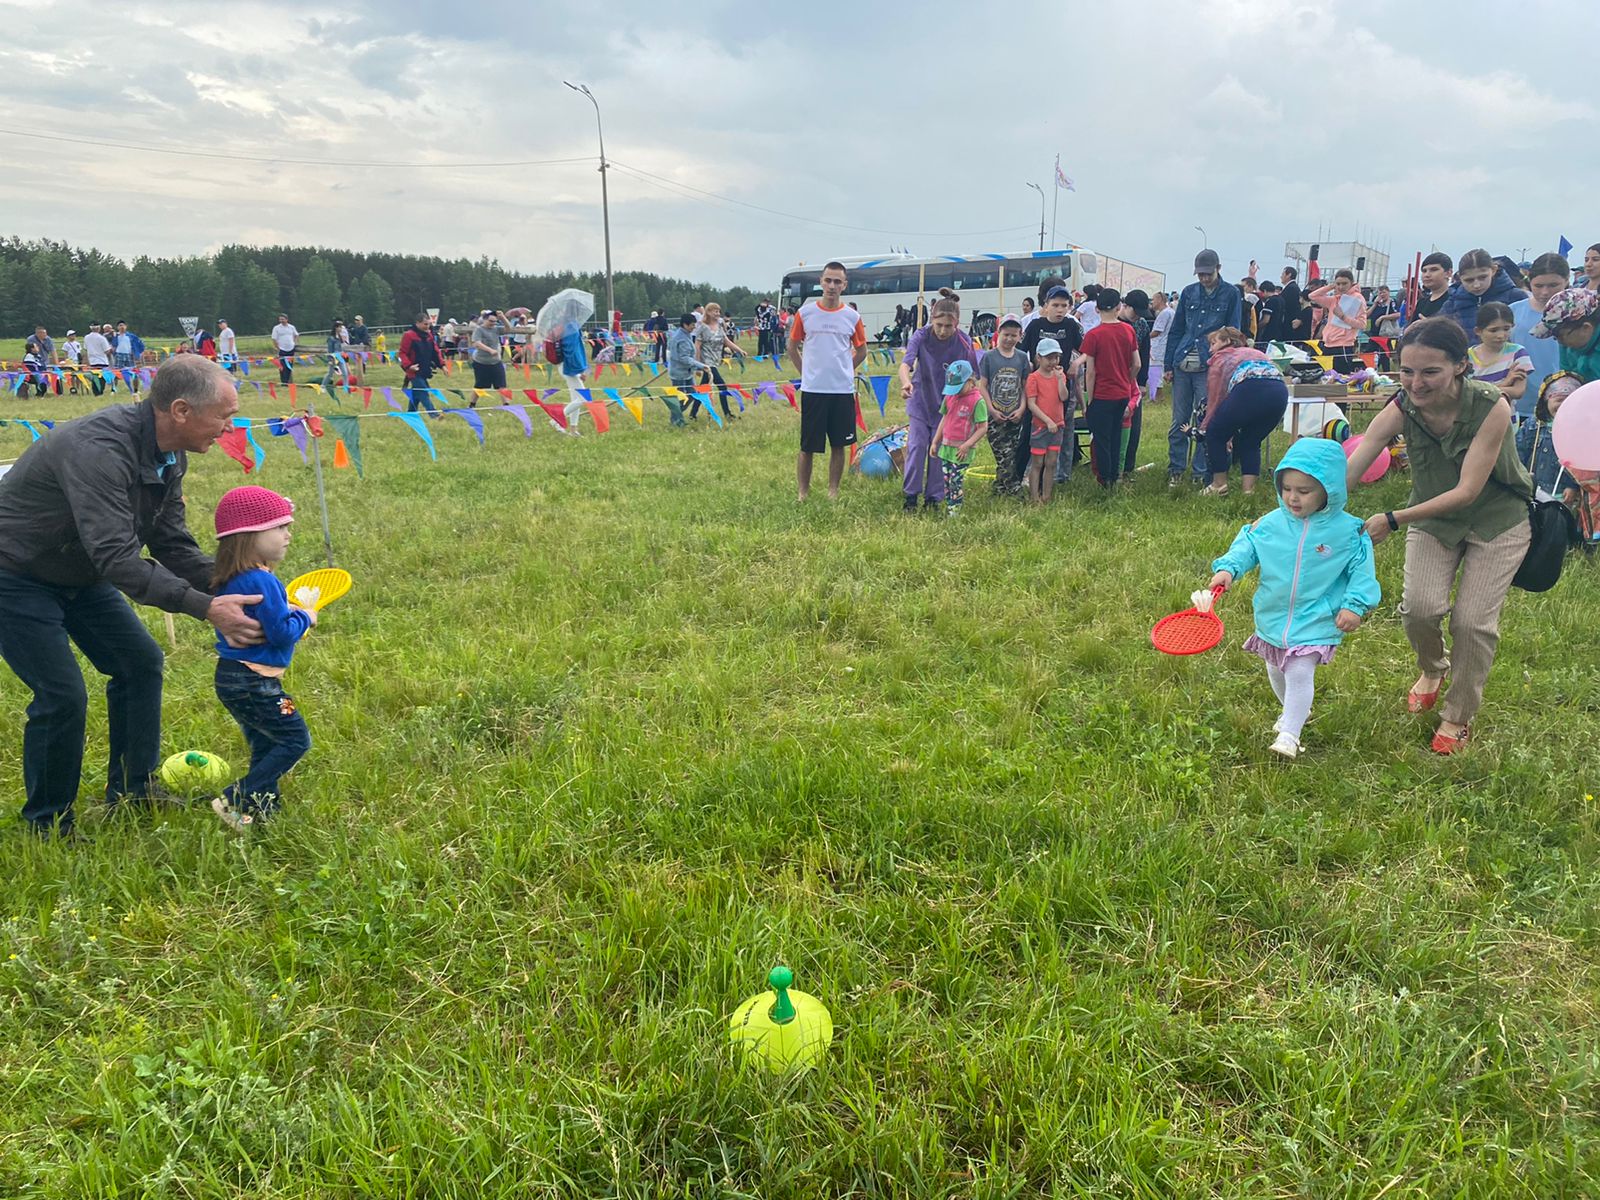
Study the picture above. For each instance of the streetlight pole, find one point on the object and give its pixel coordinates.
(605, 199)
(1040, 190)
(1205, 242)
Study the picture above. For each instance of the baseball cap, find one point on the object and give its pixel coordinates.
(1207, 260)
(956, 376)
(1048, 346)
(1058, 293)
(1010, 319)
(70, 332)
(1572, 305)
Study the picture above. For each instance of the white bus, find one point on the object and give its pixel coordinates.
(987, 283)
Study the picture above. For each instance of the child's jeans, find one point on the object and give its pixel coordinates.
(955, 485)
(272, 725)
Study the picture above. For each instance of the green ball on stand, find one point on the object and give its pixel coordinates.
(192, 771)
(782, 1029)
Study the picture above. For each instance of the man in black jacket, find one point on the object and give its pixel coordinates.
(1293, 324)
(75, 511)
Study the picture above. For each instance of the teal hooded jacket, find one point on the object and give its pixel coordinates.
(1310, 568)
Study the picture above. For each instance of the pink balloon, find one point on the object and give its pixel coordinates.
(1576, 429)
(1380, 465)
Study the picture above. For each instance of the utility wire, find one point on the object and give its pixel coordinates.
(187, 152)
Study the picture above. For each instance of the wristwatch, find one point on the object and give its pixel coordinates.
(1394, 525)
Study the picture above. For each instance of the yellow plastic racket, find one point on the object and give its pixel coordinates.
(318, 589)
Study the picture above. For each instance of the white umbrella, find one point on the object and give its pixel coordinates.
(566, 307)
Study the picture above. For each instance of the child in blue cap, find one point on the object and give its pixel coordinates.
(964, 421)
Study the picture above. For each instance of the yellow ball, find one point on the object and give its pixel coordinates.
(195, 771)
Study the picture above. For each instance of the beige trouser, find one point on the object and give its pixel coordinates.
(1485, 570)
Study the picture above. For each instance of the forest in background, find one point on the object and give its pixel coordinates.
(63, 287)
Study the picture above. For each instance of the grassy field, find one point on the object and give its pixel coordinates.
(610, 726)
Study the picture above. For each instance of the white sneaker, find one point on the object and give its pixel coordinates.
(1286, 745)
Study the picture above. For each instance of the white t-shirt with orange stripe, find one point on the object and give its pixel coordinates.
(827, 364)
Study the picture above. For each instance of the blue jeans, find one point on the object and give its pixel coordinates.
(1527, 434)
(1188, 406)
(1069, 444)
(417, 393)
(39, 623)
(272, 725)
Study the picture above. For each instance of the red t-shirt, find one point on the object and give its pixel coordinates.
(1111, 344)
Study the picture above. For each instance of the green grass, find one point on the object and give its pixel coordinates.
(609, 726)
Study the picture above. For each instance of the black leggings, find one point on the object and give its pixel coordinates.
(1246, 417)
(712, 376)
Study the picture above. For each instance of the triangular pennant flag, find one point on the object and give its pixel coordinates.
(28, 425)
(705, 393)
(521, 414)
(415, 421)
(602, 418)
(295, 427)
(471, 418)
(555, 412)
(272, 390)
(366, 397)
(788, 393)
(861, 422)
(233, 443)
(349, 440)
(388, 396)
(256, 452)
(880, 390)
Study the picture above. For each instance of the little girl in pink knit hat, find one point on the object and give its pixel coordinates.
(253, 532)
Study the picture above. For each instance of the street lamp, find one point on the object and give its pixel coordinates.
(1040, 190)
(1204, 240)
(605, 200)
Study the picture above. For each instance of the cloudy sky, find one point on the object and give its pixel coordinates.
(748, 137)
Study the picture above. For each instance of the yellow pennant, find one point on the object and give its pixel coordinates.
(634, 405)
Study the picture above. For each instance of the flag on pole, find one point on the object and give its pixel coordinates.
(1062, 181)
(1565, 248)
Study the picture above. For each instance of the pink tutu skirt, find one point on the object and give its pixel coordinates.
(1277, 656)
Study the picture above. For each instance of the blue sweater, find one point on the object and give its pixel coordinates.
(1310, 568)
(281, 625)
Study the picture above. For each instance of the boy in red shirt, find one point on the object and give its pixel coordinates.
(1112, 350)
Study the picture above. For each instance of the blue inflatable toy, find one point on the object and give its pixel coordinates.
(875, 463)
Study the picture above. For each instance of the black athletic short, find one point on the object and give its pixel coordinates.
(827, 418)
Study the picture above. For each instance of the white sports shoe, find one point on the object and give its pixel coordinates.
(1285, 744)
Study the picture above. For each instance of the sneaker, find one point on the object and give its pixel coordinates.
(1286, 745)
(928, 502)
(1212, 489)
(233, 818)
(910, 505)
(1174, 482)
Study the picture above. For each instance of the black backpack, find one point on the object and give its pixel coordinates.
(1555, 531)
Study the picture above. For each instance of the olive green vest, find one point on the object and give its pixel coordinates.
(1436, 468)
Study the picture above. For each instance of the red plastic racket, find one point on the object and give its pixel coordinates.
(1190, 631)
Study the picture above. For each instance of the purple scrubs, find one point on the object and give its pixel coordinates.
(929, 358)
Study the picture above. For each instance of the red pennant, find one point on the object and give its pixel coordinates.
(366, 397)
(272, 390)
(553, 411)
(861, 422)
(236, 445)
(292, 400)
(602, 419)
(788, 392)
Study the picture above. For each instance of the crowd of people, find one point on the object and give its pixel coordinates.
(1484, 361)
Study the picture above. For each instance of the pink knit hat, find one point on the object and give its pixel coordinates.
(250, 510)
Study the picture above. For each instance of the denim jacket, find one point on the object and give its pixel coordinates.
(1198, 314)
(681, 362)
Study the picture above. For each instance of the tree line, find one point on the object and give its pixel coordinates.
(63, 287)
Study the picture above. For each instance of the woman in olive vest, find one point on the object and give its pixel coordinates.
(1467, 520)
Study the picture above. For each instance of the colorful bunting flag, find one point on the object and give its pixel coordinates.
(415, 421)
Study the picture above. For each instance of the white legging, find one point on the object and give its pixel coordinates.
(574, 409)
(1295, 687)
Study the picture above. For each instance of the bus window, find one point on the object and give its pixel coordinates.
(938, 275)
(800, 287)
(1088, 263)
(970, 276)
(1027, 272)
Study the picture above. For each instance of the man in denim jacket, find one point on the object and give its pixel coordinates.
(1203, 307)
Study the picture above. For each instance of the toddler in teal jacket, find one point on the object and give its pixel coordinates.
(1317, 581)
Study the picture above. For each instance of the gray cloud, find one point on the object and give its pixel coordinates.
(1262, 120)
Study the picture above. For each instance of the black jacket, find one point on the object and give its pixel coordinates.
(83, 501)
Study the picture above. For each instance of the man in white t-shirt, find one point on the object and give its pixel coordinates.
(227, 345)
(827, 342)
(285, 337)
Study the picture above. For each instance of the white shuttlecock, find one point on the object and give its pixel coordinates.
(1202, 599)
(307, 597)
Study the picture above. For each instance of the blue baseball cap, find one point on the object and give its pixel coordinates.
(1058, 293)
(956, 376)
